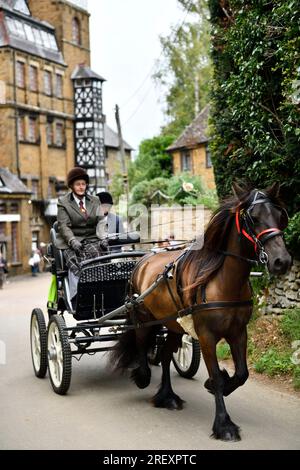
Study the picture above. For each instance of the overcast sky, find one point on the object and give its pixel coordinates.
(125, 43)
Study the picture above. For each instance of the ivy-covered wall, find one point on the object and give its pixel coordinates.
(256, 97)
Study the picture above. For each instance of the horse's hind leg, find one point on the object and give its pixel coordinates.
(223, 427)
(165, 397)
(141, 375)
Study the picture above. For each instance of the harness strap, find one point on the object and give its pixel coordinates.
(194, 309)
(214, 305)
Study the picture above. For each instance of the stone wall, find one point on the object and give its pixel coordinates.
(284, 292)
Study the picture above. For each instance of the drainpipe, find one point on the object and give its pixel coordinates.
(16, 117)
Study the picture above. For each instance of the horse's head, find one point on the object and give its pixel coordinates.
(261, 219)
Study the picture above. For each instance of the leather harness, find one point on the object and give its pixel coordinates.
(244, 226)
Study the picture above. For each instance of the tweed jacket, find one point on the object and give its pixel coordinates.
(73, 224)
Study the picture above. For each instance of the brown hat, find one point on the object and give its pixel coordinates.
(77, 173)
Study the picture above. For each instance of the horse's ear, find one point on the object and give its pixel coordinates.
(274, 190)
(238, 191)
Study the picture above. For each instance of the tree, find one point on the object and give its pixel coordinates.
(255, 110)
(152, 161)
(185, 70)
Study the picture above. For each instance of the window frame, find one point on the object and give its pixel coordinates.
(48, 85)
(59, 125)
(33, 138)
(76, 31)
(20, 74)
(183, 158)
(59, 85)
(208, 162)
(33, 78)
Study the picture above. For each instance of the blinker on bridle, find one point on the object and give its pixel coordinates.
(244, 225)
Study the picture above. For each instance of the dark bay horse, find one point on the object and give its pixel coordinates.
(247, 228)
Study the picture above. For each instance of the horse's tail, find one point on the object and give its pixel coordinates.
(125, 352)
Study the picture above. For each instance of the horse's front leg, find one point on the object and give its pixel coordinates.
(165, 397)
(238, 346)
(223, 427)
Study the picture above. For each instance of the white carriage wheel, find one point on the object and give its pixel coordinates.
(38, 342)
(187, 359)
(59, 355)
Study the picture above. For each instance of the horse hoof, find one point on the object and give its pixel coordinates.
(141, 378)
(228, 432)
(173, 402)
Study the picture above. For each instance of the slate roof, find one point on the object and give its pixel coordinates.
(10, 183)
(195, 133)
(83, 71)
(111, 139)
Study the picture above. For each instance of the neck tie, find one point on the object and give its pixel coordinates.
(83, 210)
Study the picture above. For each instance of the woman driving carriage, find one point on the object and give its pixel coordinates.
(78, 216)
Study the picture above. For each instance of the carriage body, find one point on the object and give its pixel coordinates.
(81, 328)
(98, 318)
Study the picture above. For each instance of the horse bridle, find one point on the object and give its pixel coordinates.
(244, 225)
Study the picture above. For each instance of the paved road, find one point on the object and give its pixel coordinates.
(105, 411)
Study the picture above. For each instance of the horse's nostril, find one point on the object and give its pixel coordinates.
(278, 263)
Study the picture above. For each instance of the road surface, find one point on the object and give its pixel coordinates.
(105, 411)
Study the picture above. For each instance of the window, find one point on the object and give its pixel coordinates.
(186, 161)
(14, 208)
(37, 36)
(76, 31)
(59, 85)
(21, 128)
(14, 242)
(20, 29)
(32, 130)
(33, 78)
(34, 189)
(59, 134)
(47, 83)
(29, 32)
(35, 241)
(208, 157)
(20, 74)
(2, 209)
(49, 131)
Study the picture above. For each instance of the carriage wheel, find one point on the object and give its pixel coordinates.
(187, 358)
(154, 355)
(59, 355)
(38, 342)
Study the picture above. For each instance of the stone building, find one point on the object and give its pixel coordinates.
(190, 152)
(45, 78)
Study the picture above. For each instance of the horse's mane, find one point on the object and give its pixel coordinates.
(200, 265)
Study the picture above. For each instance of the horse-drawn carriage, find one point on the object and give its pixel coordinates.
(100, 314)
(204, 290)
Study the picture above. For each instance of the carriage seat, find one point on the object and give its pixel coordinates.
(57, 253)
